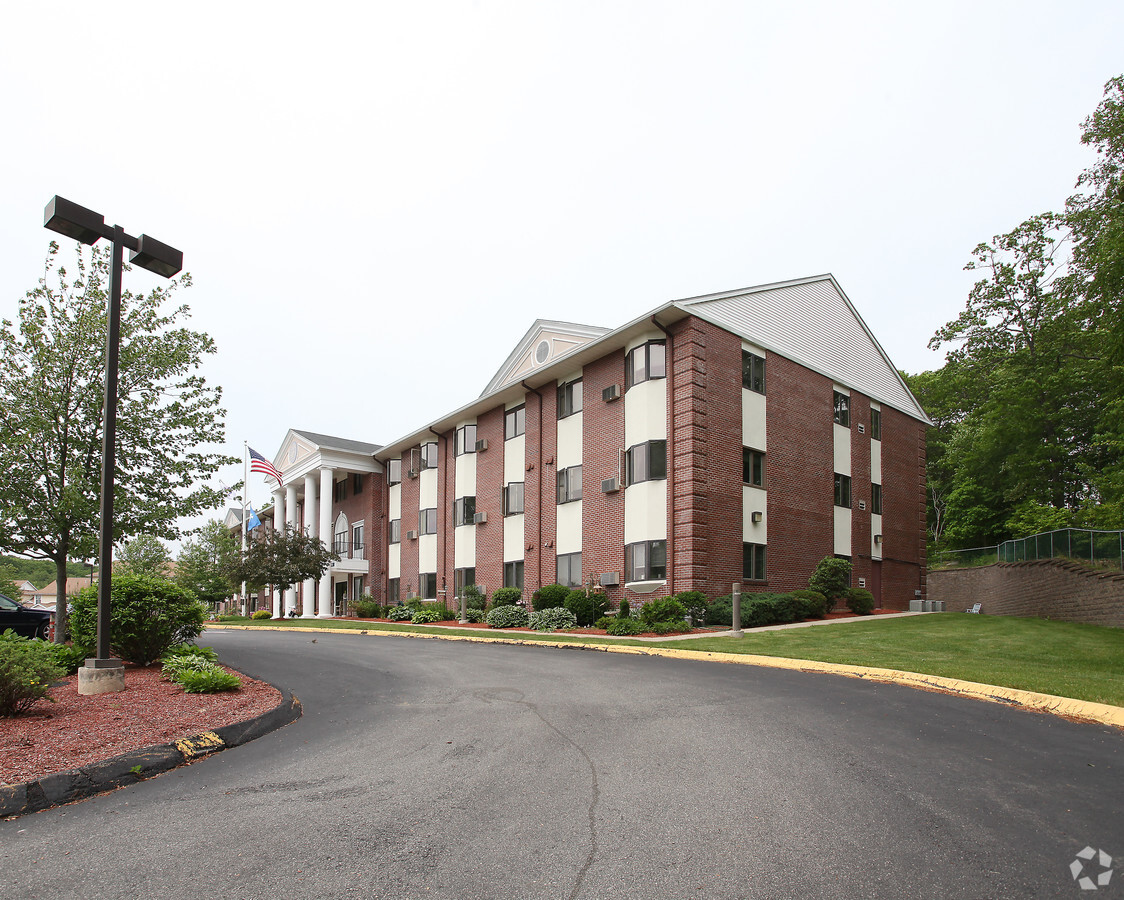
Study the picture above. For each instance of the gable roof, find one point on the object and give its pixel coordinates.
(544, 342)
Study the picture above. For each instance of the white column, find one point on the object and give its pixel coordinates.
(278, 519)
(327, 601)
(291, 519)
(312, 526)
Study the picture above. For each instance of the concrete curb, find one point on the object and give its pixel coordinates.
(1067, 707)
(139, 765)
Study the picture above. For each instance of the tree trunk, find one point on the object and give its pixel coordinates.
(60, 595)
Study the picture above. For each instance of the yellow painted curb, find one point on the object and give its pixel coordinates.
(1061, 706)
(200, 745)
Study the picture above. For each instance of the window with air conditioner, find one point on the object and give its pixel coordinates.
(569, 398)
(569, 484)
(464, 509)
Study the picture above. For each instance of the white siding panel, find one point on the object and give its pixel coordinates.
(754, 500)
(514, 457)
(753, 420)
(875, 528)
(569, 538)
(842, 450)
(570, 441)
(645, 512)
(513, 548)
(842, 531)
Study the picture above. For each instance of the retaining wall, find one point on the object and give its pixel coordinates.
(1046, 588)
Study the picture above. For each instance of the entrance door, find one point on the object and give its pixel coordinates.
(341, 598)
(876, 582)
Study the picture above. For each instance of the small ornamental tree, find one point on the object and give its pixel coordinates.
(283, 558)
(831, 578)
(147, 616)
(549, 596)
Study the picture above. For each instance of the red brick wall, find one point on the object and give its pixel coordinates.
(489, 494)
(411, 496)
(539, 484)
(860, 489)
(903, 509)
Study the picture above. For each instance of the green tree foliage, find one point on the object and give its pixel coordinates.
(831, 578)
(147, 616)
(206, 561)
(51, 387)
(1029, 406)
(8, 586)
(144, 555)
(40, 572)
(282, 558)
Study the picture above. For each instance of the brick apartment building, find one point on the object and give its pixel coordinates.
(740, 436)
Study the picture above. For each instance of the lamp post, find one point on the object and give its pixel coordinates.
(102, 674)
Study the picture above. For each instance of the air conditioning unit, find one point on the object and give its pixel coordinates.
(611, 485)
(413, 473)
(481, 445)
(610, 579)
(612, 392)
(480, 518)
(411, 535)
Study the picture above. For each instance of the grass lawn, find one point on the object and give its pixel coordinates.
(1085, 662)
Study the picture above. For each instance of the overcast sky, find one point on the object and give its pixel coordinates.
(376, 200)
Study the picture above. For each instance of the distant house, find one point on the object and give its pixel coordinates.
(48, 596)
(29, 593)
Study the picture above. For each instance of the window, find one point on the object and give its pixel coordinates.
(356, 483)
(393, 591)
(569, 485)
(339, 490)
(753, 372)
(465, 441)
(646, 560)
(876, 424)
(513, 574)
(463, 511)
(339, 543)
(646, 462)
(753, 467)
(842, 409)
(843, 490)
(570, 570)
(753, 562)
(395, 531)
(357, 586)
(569, 398)
(876, 499)
(645, 362)
(429, 455)
(427, 584)
(514, 422)
(513, 499)
(462, 578)
(427, 521)
(357, 536)
(394, 471)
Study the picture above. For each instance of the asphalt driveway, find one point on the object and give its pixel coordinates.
(426, 768)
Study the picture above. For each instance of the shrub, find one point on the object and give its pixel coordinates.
(262, 614)
(625, 611)
(27, 669)
(586, 610)
(474, 598)
(474, 615)
(696, 604)
(666, 610)
(425, 616)
(815, 603)
(400, 614)
(71, 656)
(368, 609)
(506, 616)
(669, 627)
(233, 617)
(831, 577)
(508, 596)
(860, 601)
(549, 596)
(756, 611)
(148, 615)
(786, 608)
(208, 679)
(721, 611)
(552, 619)
(619, 627)
(190, 650)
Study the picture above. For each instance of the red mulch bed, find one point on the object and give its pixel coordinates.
(77, 730)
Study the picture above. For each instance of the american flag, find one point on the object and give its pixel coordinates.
(259, 463)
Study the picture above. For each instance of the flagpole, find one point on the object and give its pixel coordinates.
(245, 494)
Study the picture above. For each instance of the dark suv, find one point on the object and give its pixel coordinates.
(23, 621)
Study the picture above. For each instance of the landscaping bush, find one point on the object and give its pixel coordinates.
(193, 650)
(400, 613)
(619, 627)
(696, 604)
(508, 596)
(208, 678)
(666, 610)
(549, 596)
(426, 616)
(831, 578)
(625, 611)
(506, 616)
(786, 608)
(27, 668)
(860, 601)
(721, 611)
(474, 598)
(552, 619)
(71, 656)
(148, 615)
(262, 614)
(757, 610)
(474, 615)
(586, 610)
(368, 609)
(815, 603)
(670, 627)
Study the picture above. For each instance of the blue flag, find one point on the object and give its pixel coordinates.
(252, 522)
